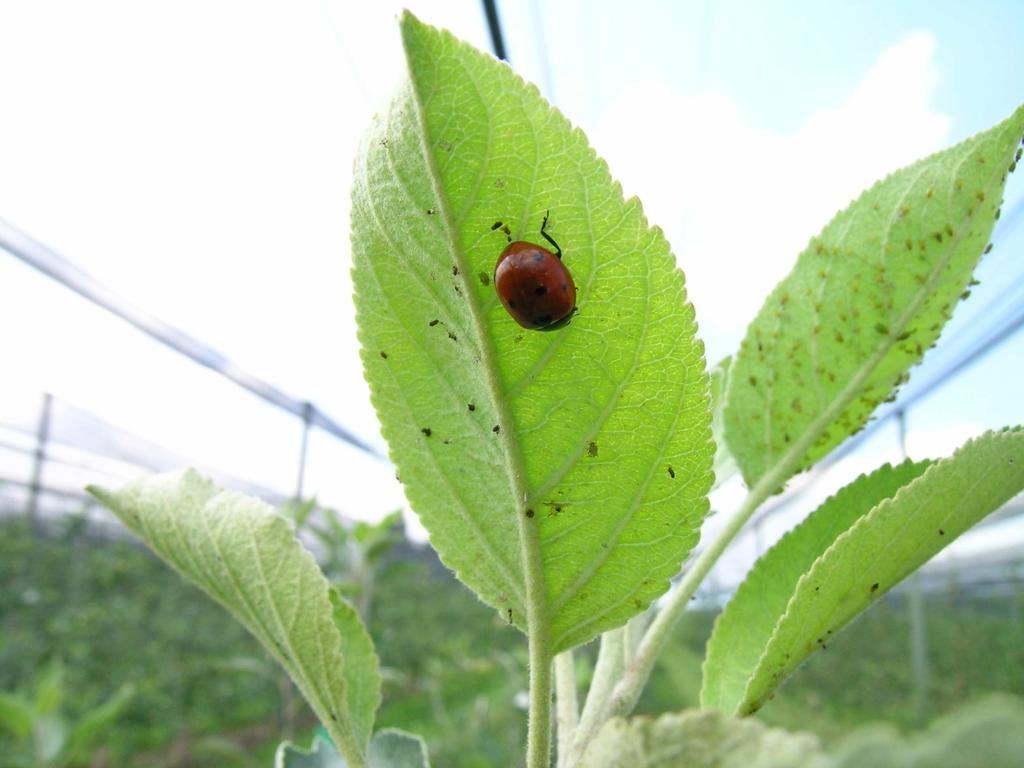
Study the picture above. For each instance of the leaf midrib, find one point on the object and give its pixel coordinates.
(513, 585)
(538, 620)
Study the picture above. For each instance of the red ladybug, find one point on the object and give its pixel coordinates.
(533, 283)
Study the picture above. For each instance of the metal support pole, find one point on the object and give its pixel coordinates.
(39, 458)
(307, 421)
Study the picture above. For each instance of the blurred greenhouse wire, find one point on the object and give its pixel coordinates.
(253, 260)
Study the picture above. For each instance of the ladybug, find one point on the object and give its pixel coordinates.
(533, 283)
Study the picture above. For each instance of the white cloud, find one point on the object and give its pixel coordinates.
(739, 202)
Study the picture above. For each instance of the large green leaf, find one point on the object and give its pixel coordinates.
(865, 300)
(743, 629)
(700, 739)
(564, 470)
(884, 546)
(246, 557)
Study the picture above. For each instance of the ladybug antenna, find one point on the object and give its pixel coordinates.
(546, 236)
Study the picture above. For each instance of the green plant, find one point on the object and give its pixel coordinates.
(564, 476)
(43, 736)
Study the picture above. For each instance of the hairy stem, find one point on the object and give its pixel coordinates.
(538, 738)
(567, 708)
(606, 673)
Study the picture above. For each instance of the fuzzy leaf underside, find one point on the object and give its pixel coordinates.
(389, 748)
(864, 302)
(744, 628)
(245, 556)
(884, 546)
(983, 734)
(597, 435)
(704, 738)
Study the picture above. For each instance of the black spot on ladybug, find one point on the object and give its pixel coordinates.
(874, 587)
(542, 320)
(540, 290)
(434, 322)
(511, 304)
(592, 449)
(671, 472)
(496, 428)
(471, 406)
(529, 513)
(427, 432)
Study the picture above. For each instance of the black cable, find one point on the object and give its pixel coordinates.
(494, 25)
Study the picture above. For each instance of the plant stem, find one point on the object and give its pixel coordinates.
(567, 708)
(606, 673)
(538, 734)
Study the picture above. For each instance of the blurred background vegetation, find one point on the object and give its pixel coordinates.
(97, 631)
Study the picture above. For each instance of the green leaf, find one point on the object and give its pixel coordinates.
(572, 465)
(390, 748)
(725, 463)
(88, 731)
(704, 738)
(744, 628)
(246, 557)
(16, 714)
(49, 690)
(362, 669)
(884, 546)
(865, 300)
(985, 734)
(321, 754)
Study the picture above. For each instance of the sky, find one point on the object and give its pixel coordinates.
(195, 158)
